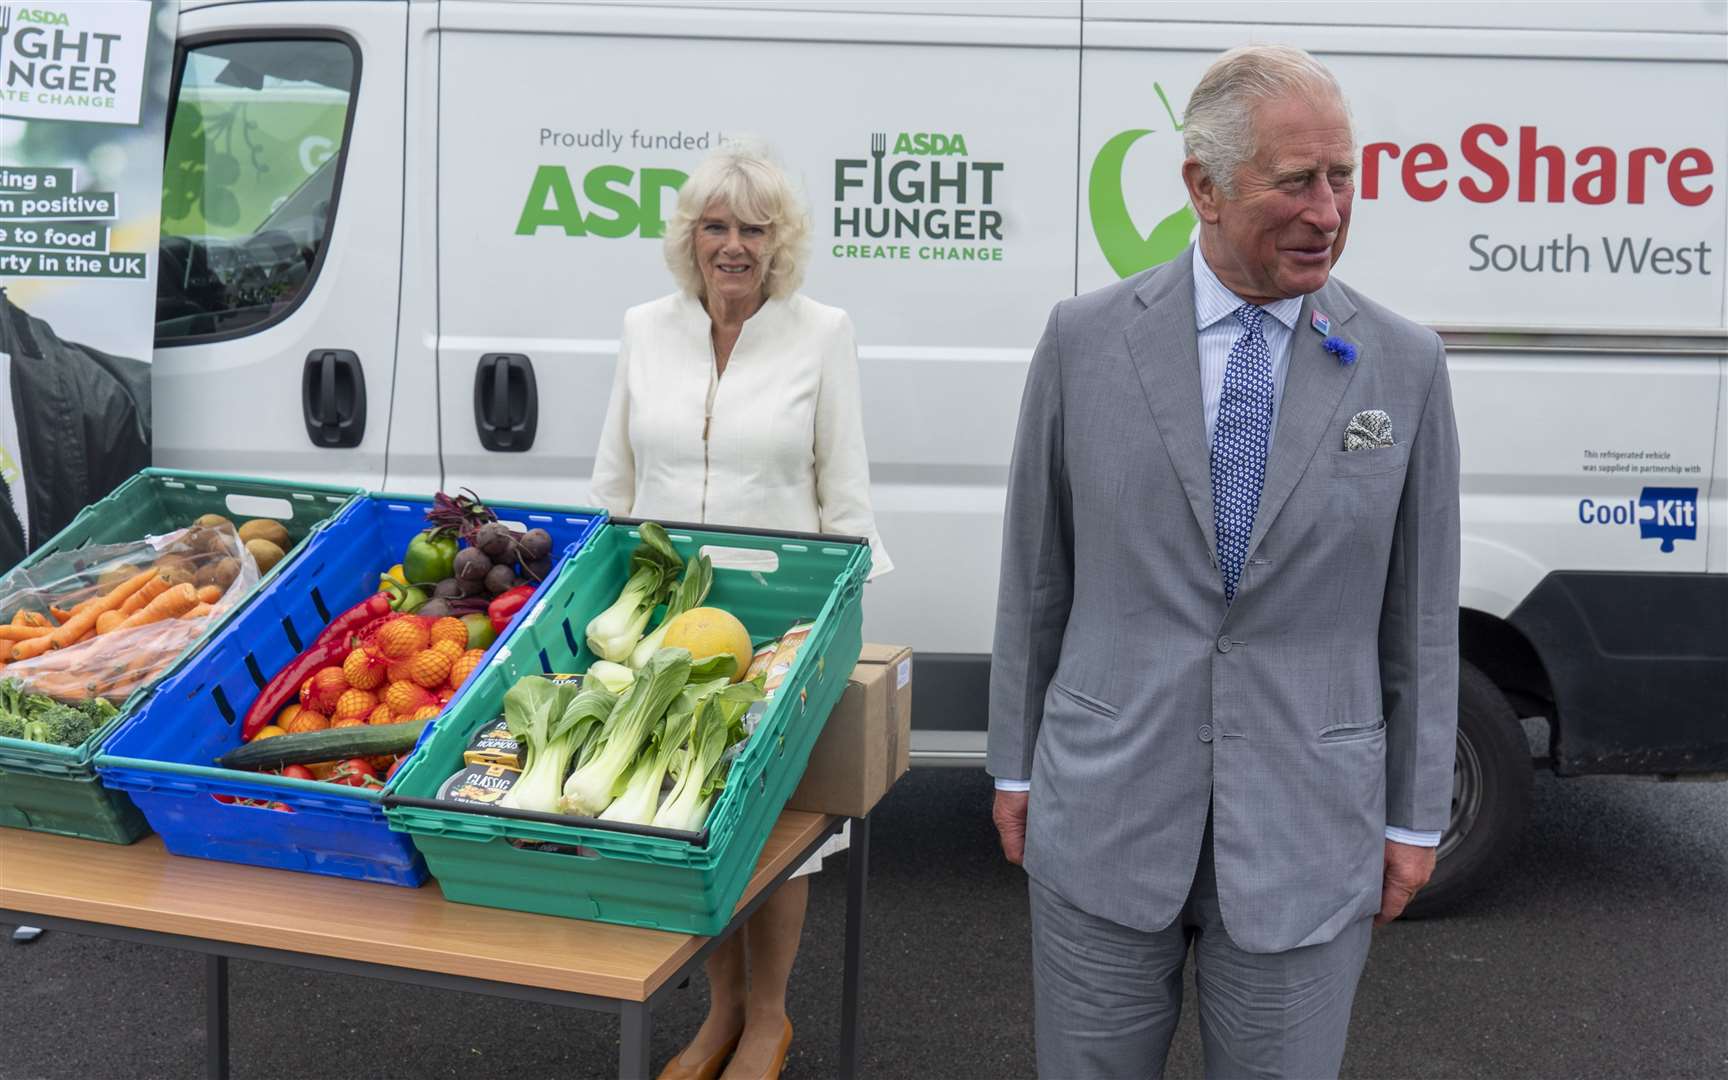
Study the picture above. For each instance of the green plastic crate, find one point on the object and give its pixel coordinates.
(642, 877)
(54, 788)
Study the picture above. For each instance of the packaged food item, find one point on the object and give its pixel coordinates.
(785, 655)
(760, 661)
(494, 745)
(478, 785)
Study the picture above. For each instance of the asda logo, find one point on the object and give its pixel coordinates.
(1126, 247)
(615, 202)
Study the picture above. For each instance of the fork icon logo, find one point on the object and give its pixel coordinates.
(878, 150)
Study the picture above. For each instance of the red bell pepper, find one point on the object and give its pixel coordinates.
(506, 604)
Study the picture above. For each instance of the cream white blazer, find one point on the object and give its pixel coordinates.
(777, 442)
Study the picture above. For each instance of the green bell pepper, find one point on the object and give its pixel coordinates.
(431, 557)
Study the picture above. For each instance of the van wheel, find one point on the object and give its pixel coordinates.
(1491, 782)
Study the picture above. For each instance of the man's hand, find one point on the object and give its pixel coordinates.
(1408, 868)
(1009, 813)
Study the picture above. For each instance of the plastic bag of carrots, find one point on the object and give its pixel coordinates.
(104, 620)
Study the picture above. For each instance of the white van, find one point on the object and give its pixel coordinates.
(399, 240)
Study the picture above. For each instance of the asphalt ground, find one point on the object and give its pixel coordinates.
(1603, 952)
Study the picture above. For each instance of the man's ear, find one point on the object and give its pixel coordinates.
(1202, 192)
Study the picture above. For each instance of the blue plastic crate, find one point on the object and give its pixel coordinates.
(163, 755)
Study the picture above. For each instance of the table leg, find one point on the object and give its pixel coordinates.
(635, 1033)
(216, 1016)
(857, 872)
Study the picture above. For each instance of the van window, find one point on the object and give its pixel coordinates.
(249, 183)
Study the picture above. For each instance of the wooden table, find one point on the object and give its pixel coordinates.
(141, 893)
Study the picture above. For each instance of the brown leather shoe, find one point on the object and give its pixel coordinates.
(708, 1068)
(779, 1063)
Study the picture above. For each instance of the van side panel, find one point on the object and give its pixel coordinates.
(554, 185)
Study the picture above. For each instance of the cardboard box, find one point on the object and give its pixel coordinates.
(867, 743)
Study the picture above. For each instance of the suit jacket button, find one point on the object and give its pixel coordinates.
(1224, 643)
(1205, 732)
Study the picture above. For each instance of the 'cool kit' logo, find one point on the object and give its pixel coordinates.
(1666, 514)
(1127, 249)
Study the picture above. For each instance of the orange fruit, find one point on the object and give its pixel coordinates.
(356, 703)
(425, 712)
(450, 649)
(268, 731)
(286, 715)
(450, 629)
(381, 715)
(350, 721)
(429, 668)
(363, 671)
(463, 667)
(305, 720)
(399, 639)
(406, 697)
(324, 689)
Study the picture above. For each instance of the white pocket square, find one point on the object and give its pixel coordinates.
(1369, 429)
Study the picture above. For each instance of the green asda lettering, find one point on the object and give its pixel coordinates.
(885, 203)
(615, 202)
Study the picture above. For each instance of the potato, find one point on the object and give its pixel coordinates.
(176, 569)
(209, 540)
(222, 573)
(214, 521)
(265, 529)
(264, 553)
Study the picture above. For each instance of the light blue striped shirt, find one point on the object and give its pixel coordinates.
(1218, 331)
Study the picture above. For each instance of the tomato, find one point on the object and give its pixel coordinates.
(395, 766)
(297, 772)
(355, 772)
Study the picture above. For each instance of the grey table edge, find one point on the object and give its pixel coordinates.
(636, 1026)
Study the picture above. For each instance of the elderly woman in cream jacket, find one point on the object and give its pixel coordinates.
(735, 402)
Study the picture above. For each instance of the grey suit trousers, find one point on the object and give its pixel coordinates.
(1108, 996)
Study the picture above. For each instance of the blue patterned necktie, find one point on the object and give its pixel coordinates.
(1239, 445)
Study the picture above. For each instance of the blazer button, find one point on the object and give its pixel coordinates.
(1224, 643)
(1205, 732)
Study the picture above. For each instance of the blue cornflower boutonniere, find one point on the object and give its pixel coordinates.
(1343, 350)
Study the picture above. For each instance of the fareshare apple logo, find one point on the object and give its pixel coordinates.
(1125, 247)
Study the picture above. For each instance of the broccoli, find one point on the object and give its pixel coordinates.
(59, 724)
(11, 725)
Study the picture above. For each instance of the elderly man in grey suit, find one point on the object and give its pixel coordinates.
(1224, 690)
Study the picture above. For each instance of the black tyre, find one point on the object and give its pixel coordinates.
(1491, 782)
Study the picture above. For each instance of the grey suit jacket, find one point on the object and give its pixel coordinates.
(1317, 708)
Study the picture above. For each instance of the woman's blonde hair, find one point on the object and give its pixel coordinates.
(742, 177)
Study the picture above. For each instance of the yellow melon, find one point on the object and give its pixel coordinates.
(708, 631)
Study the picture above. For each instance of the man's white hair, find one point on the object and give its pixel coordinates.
(742, 177)
(1218, 128)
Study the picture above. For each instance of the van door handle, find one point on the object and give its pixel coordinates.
(506, 402)
(333, 397)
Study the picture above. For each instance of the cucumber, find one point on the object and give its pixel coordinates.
(331, 744)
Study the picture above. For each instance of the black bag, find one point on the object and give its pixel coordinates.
(83, 426)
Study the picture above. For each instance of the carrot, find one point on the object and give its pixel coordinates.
(153, 588)
(171, 604)
(31, 618)
(23, 633)
(60, 614)
(27, 650)
(84, 622)
(199, 611)
(108, 620)
(209, 594)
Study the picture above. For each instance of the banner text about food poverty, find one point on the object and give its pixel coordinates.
(49, 230)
